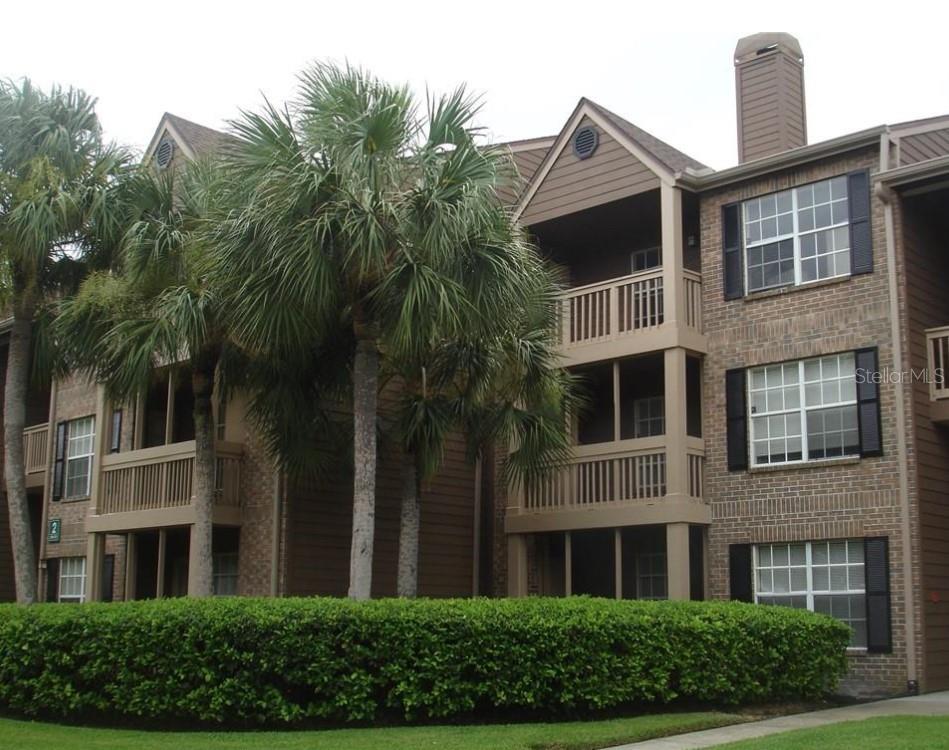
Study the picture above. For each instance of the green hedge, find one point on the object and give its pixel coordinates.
(256, 661)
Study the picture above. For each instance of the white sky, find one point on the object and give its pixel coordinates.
(665, 66)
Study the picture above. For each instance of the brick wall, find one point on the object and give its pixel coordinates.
(845, 498)
(77, 398)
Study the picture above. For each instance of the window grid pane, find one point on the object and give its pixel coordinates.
(651, 575)
(797, 236)
(224, 574)
(825, 577)
(79, 450)
(649, 416)
(72, 579)
(804, 410)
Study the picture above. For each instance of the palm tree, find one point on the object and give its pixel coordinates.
(55, 174)
(499, 383)
(162, 307)
(359, 217)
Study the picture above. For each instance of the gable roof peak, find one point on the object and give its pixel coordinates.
(669, 156)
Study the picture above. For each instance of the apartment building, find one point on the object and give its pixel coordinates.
(762, 348)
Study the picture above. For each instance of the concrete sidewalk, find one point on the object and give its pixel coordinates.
(930, 704)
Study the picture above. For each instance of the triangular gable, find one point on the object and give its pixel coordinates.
(166, 129)
(564, 183)
(527, 156)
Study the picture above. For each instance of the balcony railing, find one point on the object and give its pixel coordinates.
(163, 477)
(937, 346)
(626, 472)
(35, 442)
(613, 309)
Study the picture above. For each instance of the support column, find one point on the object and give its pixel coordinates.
(95, 550)
(673, 291)
(677, 481)
(131, 565)
(193, 561)
(160, 581)
(677, 561)
(516, 565)
(617, 416)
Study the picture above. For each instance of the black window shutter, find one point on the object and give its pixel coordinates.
(737, 417)
(59, 474)
(115, 442)
(876, 560)
(861, 245)
(108, 576)
(52, 580)
(739, 572)
(868, 403)
(733, 277)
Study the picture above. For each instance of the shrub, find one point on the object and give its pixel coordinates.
(272, 661)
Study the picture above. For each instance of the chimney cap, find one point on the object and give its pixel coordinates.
(756, 45)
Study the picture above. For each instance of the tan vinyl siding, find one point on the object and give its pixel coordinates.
(574, 184)
(770, 98)
(922, 146)
(927, 295)
(320, 523)
(526, 162)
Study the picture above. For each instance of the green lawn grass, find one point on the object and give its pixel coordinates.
(573, 735)
(885, 732)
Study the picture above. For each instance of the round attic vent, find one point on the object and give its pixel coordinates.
(585, 141)
(163, 154)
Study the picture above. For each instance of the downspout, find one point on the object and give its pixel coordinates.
(886, 196)
(41, 583)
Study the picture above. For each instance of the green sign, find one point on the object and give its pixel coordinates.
(55, 529)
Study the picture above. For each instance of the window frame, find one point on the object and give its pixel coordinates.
(650, 577)
(68, 459)
(644, 252)
(218, 575)
(795, 235)
(810, 592)
(647, 404)
(61, 575)
(802, 410)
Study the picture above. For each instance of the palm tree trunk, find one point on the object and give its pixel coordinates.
(365, 377)
(14, 420)
(200, 582)
(409, 523)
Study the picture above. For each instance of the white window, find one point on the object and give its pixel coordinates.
(642, 260)
(649, 416)
(224, 574)
(72, 579)
(804, 411)
(651, 575)
(80, 436)
(825, 577)
(797, 236)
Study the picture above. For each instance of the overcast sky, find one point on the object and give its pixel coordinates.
(666, 67)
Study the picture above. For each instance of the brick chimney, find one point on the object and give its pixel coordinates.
(769, 90)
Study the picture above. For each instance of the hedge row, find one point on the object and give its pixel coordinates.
(273, 661)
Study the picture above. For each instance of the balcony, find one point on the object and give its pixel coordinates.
(628, 315)
(937, 348)
(625, 482)
(152, 487)
(35, 446)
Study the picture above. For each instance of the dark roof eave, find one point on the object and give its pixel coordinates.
(783, 160)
